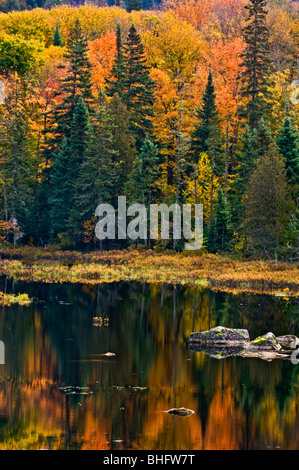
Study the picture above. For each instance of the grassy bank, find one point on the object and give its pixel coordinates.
(219, 273)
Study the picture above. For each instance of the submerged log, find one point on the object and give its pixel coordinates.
(221, 342)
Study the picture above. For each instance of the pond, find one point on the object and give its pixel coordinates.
(60, 390)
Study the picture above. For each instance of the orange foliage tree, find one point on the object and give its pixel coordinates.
(101, 56)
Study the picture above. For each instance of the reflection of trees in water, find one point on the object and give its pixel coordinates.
(53, 343)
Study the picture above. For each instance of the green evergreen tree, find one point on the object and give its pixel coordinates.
(117, 78)
(99, 171)
(267, 205)
(139, 88)
(123, 140)
(264, 137)
(247, 156)
(220, 233)
(19, 163)
(139, 187)
(77, 82)
(61, 190)
(256, 62)
(207, 117)
(134, 5)
(66, 167)
(253, 145)
(288, 143)
(57, 40)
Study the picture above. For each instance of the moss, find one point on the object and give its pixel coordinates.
(259, 340)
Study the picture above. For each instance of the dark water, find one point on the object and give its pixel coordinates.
(58, 390)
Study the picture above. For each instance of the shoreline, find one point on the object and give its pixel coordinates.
(207, 270)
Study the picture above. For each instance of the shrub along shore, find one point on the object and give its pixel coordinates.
(208, 270)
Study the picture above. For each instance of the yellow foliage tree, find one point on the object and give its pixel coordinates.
(203, 186)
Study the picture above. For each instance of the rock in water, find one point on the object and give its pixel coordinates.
(221, 335)
(288, 341)
(180, 412)
(265, 342)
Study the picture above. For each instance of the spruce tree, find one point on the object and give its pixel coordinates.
(57, 40)
(267, 205)
(264, 137)
(134, 5)
(247, 156)
(66, 167)
(256, 62)
(99, 171)
(207, 117)
(220, 233)
(207, 137)
(61, 190)
(116, 80)
(123, 140)
(139, 88)
(288, 143)
(140, 186)
(140, 183)
(253, 145)
(77, 82)
(19, 163)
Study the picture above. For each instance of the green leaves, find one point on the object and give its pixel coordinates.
(17, 55)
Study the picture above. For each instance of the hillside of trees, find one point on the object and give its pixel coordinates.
(185, 101)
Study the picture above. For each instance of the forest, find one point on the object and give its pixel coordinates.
(182, 101)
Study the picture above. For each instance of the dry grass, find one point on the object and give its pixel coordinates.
(217, 272)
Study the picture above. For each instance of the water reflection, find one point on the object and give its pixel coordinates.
(58, 390)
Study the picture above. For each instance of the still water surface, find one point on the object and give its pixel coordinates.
(59, 391)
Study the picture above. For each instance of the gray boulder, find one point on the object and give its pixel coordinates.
(221, 342)
(220, 335)
(265, 342)
(288, 341)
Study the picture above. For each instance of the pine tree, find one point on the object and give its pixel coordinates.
(116, 80)
(267, 205)
(264, 137)
(256, 62)
(247, 157)
(99, 171)
(207, 137)
(19, 164)
(57, 40)
(134, 5)
(288, 143)
(139, 88)
(77, 82)
(123, 140)
(144, 172)
(207, 116)
(66, 167)
(220, 234)
(61, 190)
(141, 182)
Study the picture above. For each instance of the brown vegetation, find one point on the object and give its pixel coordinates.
(217, 272)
